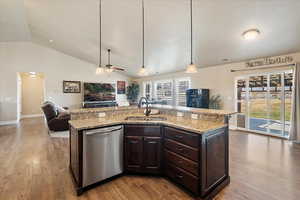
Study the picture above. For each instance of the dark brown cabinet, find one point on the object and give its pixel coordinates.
(197, 162)
(143, 149)
(133, 153)
(152, 154)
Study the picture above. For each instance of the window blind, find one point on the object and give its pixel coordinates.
(147, 90)
(164, 92)
(181, 86)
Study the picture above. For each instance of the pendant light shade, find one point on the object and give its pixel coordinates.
(143, 70)
(100, 70)
(192, 68)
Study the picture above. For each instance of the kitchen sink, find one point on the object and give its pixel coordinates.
(145, 118)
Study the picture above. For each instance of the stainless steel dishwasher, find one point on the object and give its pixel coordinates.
(102, 154)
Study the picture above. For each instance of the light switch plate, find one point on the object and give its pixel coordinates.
(194, 116)
(179, 114)
(102, 114)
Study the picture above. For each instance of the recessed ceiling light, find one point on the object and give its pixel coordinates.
(50, 41)
(251, 34)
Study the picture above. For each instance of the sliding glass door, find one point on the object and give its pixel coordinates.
(288, 85)
(263, 103)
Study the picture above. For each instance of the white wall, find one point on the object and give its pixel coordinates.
(218, 79)
(26, 57)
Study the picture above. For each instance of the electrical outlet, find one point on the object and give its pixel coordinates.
(179, 114)
(194, 116)
(102, 114)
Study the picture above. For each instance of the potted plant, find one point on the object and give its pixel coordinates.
(132, 93)
(215, 102)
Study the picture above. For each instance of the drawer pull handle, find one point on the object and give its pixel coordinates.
(179, 176)
(179, 136)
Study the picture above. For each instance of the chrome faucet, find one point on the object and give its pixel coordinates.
(148, 109)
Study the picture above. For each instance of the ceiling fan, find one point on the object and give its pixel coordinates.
(109, 66)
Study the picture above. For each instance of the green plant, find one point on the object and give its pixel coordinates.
(132, 92)
(215, 102)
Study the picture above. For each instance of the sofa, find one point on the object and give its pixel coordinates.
(57, 118)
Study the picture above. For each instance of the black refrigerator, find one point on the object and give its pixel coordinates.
(197, 98)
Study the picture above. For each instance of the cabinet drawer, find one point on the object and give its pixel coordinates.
(142, 130)
(183, 150)
(184, 178)
(182, 136)
(182, 162)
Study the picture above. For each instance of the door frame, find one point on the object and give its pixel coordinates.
(282, 106)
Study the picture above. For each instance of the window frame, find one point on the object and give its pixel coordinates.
(174, 89)
(163, 81)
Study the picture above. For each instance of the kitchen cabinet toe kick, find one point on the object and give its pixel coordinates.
(199, 163)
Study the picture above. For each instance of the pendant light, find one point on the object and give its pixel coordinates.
(142, 70)
(100, 69)
(192, 67)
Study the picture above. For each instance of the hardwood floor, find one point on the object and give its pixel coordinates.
(35, 166)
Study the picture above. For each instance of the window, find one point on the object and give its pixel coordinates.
(147, 90)
(164, 92)
(182, 85)
(167, 92)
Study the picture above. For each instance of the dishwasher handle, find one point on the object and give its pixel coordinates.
(102, 132)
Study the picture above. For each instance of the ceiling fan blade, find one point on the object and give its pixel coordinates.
(117, 68)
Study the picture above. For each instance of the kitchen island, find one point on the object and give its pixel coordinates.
(187, 146)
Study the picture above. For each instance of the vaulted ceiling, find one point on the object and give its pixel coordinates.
(73, 25)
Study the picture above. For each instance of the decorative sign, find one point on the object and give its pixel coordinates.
(270, 61)
(121, 87)
(71, 86)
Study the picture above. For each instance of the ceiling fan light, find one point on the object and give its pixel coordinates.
(109, 70)
(191, 69)
(100, 70)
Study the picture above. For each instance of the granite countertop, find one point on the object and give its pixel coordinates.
(163, 107)
(197, 126)
(103, 109)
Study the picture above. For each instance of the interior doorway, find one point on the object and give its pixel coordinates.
(31, 94)
(263, 102)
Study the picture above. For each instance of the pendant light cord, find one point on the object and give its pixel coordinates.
(143, 27)
(108, 56)
(100, 31)
(191, 7)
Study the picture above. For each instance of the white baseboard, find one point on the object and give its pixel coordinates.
(3, 123)
(31, 116)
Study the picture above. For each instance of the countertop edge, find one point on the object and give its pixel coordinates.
(175, 108)
(149, 123)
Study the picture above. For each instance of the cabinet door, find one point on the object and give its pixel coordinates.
(133, 153)
(152, 154)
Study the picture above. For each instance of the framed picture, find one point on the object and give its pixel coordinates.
(71, 86)
(121, 87)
